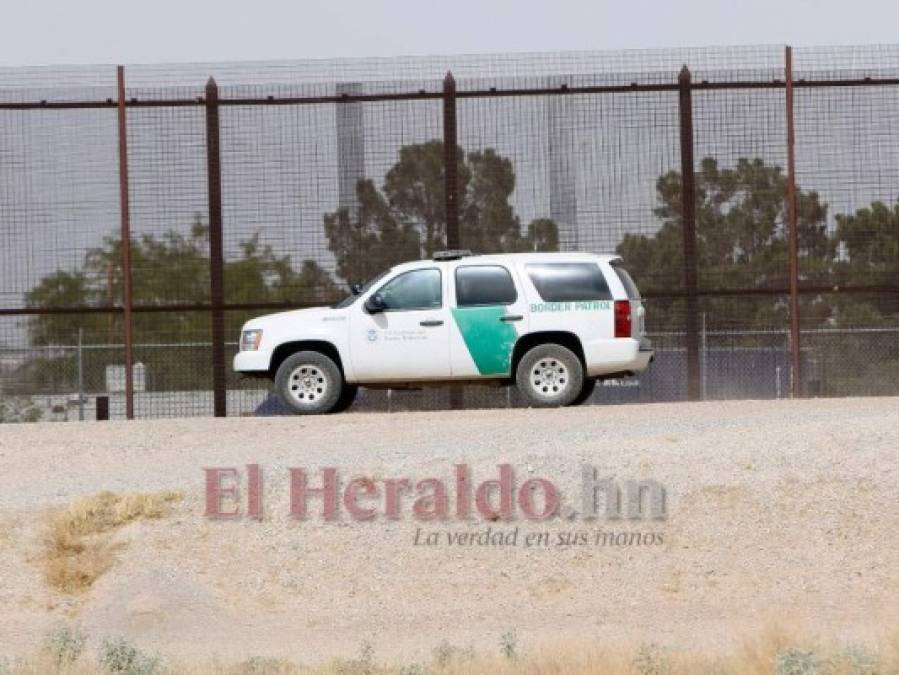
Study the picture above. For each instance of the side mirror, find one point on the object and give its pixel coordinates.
(375, 303)
(356, 289)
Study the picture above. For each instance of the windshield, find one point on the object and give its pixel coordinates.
(351, 298)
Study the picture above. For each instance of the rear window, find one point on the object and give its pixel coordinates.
(484, 285)
(568, 282)
(629, 286)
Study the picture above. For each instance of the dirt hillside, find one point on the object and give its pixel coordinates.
(773, 511)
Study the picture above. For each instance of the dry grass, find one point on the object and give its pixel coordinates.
(78, 547)
(772, 653)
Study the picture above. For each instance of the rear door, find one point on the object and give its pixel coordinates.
(489, 313)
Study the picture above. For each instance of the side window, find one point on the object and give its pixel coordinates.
(629, 286)
(484, 285)
(569, 282)
(418, 289)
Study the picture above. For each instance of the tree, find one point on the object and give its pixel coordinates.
(741, 241)
(869, 242)
(62, 289)
(172, 268)
(261, 276)
(406, 219)
(366, 242)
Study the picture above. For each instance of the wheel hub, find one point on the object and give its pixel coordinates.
(549, 377)
(307, 384)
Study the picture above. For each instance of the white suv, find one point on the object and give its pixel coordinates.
(550, 323)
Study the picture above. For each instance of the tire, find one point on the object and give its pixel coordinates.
(347, 396)
(309, 383)
(549, 376)
(586, 391)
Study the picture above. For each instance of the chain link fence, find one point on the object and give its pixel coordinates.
(734, 365)
(146, 213)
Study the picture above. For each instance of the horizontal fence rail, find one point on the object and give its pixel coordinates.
(492, 92)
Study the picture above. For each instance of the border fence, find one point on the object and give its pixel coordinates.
(147, 211)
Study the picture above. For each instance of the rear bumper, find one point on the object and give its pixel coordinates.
(645, 354)
(622, 355)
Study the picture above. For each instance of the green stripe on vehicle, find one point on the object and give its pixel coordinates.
(489, 340)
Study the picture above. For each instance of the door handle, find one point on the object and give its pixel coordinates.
(511, 317)
(431, 323)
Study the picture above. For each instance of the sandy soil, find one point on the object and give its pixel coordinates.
(776, 511)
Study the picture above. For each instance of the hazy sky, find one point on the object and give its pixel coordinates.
(36, 32)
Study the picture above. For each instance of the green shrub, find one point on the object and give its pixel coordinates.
(18, 409)
(412, 669)
(259, 665)
(650, 659)
(65, 644)
(796, 661)
(118, 657)
(445, 653)
(860, 661)
(508, 644)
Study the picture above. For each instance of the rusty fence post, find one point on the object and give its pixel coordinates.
(451, 192)
(688, 218)
(793, 233)
(216, 253)
(125, 234)
(450, 159)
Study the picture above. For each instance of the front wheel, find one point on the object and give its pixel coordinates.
(309, 383)
(549, 376)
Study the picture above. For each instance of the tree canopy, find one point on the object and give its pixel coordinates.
(740, 228)
(406, 219)
(167, 269)
(742, 243)
(870, 237)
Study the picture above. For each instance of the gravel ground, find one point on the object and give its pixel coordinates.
(776, 512)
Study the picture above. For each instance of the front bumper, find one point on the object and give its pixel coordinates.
(252, 361)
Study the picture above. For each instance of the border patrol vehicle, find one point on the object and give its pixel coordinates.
(550, 324)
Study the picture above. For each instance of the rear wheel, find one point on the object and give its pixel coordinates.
(549, 376)
(586, 391)
(309, 383)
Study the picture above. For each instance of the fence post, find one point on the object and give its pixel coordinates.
(451, 191)
(101, 408)
(216, 254)
(793, 234)
(688, 221)
(80, 374)
(450, 159)
(125, 235)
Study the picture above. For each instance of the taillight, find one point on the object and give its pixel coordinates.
(622, 318)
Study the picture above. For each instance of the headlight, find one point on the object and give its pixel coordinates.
(250, 339)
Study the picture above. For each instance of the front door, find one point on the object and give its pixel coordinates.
(408, 340)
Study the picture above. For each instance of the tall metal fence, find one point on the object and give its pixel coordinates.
(147, 211)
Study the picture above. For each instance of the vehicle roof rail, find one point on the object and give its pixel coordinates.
(453, 254)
